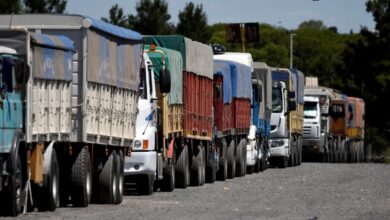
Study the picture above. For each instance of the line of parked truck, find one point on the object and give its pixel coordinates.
(89, 109)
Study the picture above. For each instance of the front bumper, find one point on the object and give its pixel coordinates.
(281, 150)
(141, 162)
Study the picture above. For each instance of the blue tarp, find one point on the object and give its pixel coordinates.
(52, 57)
(279, 76)
(115, 30)
(222, 68)
(241, 77)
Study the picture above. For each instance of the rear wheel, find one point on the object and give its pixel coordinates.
(168, 181)
(231, 160)
(196, 167)
(12, 203)
(49, 198)
(211, 173)
(145, 185)
(81, 180)
(240, 159)
(108, 181)
(223, 162)
(182, 169)
(120, 163)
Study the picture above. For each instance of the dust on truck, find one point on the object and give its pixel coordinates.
(187, 111)
(87, 124)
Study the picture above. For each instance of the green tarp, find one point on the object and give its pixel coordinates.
(174, 63)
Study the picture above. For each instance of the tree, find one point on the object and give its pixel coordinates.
(193, 23)
(116, 17)
(152, 18)
(10, 6)
(45, 6)
(312, 24)
(380, 9)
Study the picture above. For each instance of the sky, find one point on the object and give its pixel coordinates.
(346, 15)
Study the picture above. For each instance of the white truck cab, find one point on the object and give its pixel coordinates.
(312, 135)
(279, 131)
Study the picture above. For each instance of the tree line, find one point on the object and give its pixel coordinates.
(357, 64)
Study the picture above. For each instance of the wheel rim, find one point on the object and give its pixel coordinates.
(88, 185)
(55, 187)
(18, 184)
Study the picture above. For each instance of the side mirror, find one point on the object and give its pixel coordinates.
(291, 95)
(26, 73)
(259, 93)
(165, 81)
(292, 105)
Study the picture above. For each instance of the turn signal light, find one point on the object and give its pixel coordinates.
(145, 144)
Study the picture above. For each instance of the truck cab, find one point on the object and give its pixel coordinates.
(313, 137)
(148, 158)
(279, 119)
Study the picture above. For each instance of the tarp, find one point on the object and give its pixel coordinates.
(241, 77)
(113, 29)
(174, 63)
(222, 68)
(197, 57)
(113, 61)
(263, 72)
(301, 85)
(52, 57)
(280, 75)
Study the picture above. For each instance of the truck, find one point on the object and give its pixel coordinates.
(331, 134)
(151, 164)
(287, 117)
(77, 124)
(187, 111)
(232, 130)
(259, 134)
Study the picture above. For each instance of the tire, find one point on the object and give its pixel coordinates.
(49, 198)
(291, 157)
(145, 185)
(211, 173)
(108, 181)
(81, 180)
(196, 166)
(240, 159)
(12, 204)
(181, 169)
(259, 162)
(231, 161)
(223, 163)
(168, 181)
(283, 161)
(120, 164)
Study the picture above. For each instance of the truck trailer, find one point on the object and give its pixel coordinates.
(76, 126)
(236, 136)
(187, 111)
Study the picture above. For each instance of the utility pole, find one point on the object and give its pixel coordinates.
(291, 50)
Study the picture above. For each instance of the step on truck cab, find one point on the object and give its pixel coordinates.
(151, 164)
(84, 120)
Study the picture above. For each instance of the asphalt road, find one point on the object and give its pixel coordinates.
(310, 191)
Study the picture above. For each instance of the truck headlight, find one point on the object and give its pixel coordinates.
(277, 143)
(137, 144)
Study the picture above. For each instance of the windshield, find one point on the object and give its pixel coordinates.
(277, 104)
(310, 109)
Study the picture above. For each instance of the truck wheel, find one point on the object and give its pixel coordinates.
(108, 181)
(120, 163)
(211, 172)
(49, 198)
(240, 159)
(168, 181)
(203, 166)
(291, 157)
(181, 169)
(12, 204)
(223, 163)
(196, 167)
(81, 180)
(231, 160)
(145, 185)
(283, 162)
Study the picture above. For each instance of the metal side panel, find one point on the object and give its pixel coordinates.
(50, 110)
(110, 115)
